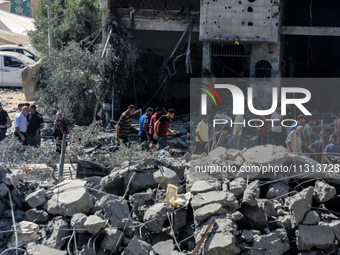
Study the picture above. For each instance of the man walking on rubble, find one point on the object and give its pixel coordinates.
(123, 126)
(332, 151)
(35, 124)
(154, 118)
(202, 134)
(293, 140)
(162, 128)
(4, 121)
(144, 121)
(21, 125)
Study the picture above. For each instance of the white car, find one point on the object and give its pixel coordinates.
(11, 64)
(20, 49)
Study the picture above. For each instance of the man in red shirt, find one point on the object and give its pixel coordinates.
(161, 129)
(153, 119)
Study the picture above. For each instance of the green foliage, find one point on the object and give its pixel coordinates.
(13, 152)
(71, 20)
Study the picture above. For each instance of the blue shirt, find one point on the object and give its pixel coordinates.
(21, 122)
(333, 147)
(317, 145)
(143, 120)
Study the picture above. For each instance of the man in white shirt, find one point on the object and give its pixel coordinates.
(21, 125)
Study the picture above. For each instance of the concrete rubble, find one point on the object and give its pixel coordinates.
(127, 212)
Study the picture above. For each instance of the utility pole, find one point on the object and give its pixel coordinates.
(50, 37)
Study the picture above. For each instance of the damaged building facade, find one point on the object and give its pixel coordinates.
(237, 38)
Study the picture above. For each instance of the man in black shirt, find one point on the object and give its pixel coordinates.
(4, 121)
(35, 124)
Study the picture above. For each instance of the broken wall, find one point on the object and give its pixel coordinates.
(247, 20)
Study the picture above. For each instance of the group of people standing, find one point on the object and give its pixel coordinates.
(154, 127)
(299, 138)
(27, 122)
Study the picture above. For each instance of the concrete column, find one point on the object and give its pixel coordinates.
(206, 55)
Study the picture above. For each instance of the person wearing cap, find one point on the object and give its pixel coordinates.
(21, 125)
(300, 120)
(35, 124)
(4, 121)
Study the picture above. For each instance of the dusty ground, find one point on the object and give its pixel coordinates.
(10, 98)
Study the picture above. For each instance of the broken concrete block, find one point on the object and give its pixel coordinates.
(233, 153)
(77, 222)
(278, 189)
(3, 190)
(319, 237)
(141, 181)
(236, 216)
(207, 211)
(38, 249)
(323, 191)
(202, 186)
(251, 193)
(312, 218)
(166, 176)
(12, 179)
(164, 157)
(237, 162)
(237, 186)
(36, 198)
(137, 247)
(335, 225)
(221, 243)
(114, 182)
(180, 219)
(271, 244)
(115, 209)
(38, 216)
(256, 216)
(113, 238)
(71, 201)
(299, 205)
(94, 224)
(218, 152)
(226, 199)
(156, 214)
(60, 231)
(247, 236)
(268, 207)
(164, 247)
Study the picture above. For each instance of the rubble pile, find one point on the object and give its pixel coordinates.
(164, 205)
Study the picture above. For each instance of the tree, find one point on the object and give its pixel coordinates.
(71, 20)
(72, 80)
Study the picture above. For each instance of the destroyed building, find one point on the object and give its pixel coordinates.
(238, 38)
